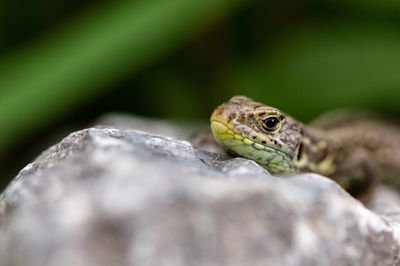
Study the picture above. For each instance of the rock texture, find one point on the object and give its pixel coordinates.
(125, 197)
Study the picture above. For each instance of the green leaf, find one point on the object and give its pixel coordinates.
(48, 79)
(323, 67)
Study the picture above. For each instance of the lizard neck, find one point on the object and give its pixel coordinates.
(314, 152)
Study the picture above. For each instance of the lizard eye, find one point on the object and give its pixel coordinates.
(271, 123)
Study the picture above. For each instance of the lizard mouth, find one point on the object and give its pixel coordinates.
(224, 132)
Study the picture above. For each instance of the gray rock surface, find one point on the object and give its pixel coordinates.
(125, 197)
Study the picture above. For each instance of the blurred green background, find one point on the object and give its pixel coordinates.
(65, 63)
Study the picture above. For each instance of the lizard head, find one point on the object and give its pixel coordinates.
(258, 132)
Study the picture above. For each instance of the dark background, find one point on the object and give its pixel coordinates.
(65, 63)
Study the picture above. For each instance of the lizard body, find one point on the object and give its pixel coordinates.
(353, 152)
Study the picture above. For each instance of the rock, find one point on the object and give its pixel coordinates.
(386, 203)
(197, 133)
(124, 197)
(156, 126)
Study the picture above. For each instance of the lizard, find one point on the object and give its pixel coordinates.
(354, 152)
